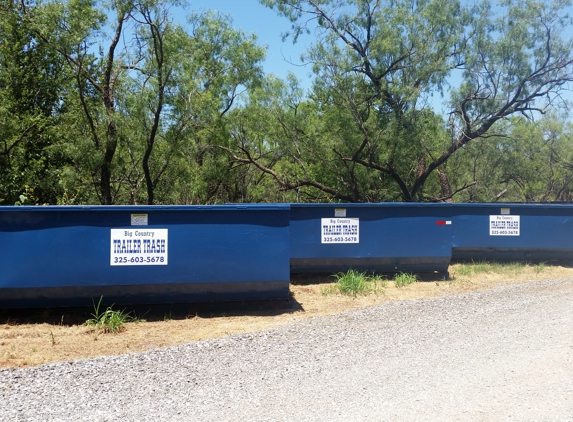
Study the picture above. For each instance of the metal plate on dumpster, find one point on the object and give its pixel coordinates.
(504, 225)
(340, 212)
(138, 247)
(340, 230)
(139, 219)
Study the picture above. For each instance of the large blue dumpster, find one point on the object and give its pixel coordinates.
(512, 232)
(69, 256)
(382, 237)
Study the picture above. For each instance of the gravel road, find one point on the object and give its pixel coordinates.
(502, 354)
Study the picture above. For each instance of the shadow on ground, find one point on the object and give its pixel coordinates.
(151, 313)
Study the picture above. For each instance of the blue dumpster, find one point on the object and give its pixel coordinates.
(382, 237)
(69, 256)
(512, 232)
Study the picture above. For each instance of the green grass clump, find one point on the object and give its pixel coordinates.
(464, 270)
(403, 279)
(503, 268)
(481, 267)
(510, 268)
(110, 320)
(540, 267)
(353, 282)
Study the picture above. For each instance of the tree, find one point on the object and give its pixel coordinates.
(143, 94)
(183, 88)
(290, 139)
(530, 162)
(72, 29)
(379, 63)
(32, 81)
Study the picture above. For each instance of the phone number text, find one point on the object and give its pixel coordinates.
(138, 259)
(504, 232)
(339, 239)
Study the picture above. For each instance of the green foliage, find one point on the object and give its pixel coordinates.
(110, 320)
(528, 162)
(183, 114)
(196, 83)
(32, 81)
(464, 270)
(353, 283)
(402, 279)
(132, 122)
(378, 64)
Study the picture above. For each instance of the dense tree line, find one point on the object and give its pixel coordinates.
(116, 103)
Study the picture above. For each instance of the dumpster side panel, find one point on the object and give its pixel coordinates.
(541, 232)
(392, 238)
(211, 253)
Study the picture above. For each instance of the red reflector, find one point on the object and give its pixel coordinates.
(444, 223)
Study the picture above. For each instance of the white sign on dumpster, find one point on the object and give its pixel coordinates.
(340, 230)
(504, 225)
(138, 247)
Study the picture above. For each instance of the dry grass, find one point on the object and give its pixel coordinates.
(55, 335)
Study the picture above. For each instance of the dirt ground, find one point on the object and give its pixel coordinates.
(29, 338)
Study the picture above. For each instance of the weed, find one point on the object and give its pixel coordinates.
(34, 350)
(53, 338)
(480, 267)
(485, 267)
(540, 267)
(168, 317)
(464, 270)
(508, 267)
(110, 320)
(136, 320)
(354, 282)
(403, 279)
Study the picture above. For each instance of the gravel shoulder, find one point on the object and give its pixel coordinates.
(499, 354)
